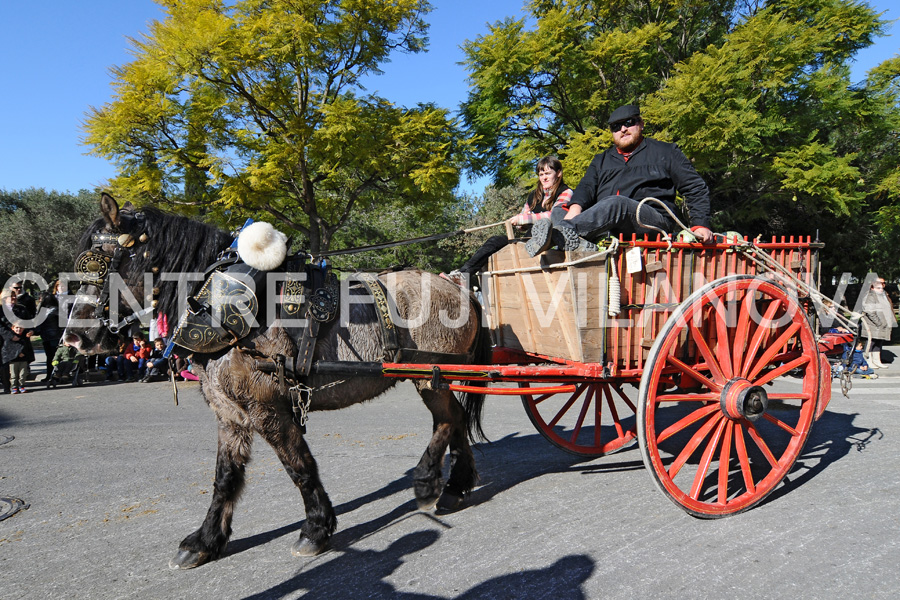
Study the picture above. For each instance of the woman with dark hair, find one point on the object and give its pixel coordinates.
(551, 191)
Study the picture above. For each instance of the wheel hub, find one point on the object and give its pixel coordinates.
(742, 400)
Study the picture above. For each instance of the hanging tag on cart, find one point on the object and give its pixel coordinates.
(633, 260)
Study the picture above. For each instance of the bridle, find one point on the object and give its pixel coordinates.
(95, 266)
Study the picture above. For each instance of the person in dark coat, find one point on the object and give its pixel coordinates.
(17, 354)
(26, 303)
(607, 197)
(49, 327)
(10, 312)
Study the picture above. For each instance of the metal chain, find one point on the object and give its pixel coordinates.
(301, 399)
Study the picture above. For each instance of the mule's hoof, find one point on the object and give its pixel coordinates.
(185, 559)
(449, 502)
(427, 504)
(306, 547)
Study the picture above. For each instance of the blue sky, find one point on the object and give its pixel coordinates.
(56, 56)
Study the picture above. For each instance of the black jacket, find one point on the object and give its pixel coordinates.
(655, 169)
(13, 348)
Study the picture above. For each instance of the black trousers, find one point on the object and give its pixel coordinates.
(480, 258)
(613, 214)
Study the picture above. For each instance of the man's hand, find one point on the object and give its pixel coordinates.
(703, 234)
(574, 211)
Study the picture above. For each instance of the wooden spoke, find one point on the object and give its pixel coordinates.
(774, 349)
(758, 337)
(784, 368)
(614, 413)
(687, 421)
(725, 462)
(691, 372)
(686, 397)
(741, 333)
(768, 417)
(692, 445)
(741, 448)
(761, 444)
(723, 347)
(591, 398)
(711, 362)
(706, 459)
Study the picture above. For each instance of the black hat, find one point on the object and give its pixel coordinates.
(624, 112)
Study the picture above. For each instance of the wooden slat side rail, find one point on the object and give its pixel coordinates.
(562, 312)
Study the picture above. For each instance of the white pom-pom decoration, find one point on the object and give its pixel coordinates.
(262, 246)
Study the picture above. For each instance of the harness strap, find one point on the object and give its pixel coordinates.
(305, 348)
(382, 308)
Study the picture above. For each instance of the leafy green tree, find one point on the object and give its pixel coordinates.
(759, 96)
(549, 90)
(255, 108)
(40, 230)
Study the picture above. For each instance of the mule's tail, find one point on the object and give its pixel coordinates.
(473, 403)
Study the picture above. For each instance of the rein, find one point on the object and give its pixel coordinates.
(407, 242)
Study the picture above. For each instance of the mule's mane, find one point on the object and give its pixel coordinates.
(175, 244)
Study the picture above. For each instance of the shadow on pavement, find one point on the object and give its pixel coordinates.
(363, 573)
(832, 438)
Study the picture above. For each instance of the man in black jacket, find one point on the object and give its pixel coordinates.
(608, 195)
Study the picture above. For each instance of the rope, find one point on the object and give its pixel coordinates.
(765, 260)
(665, 234)
(613, 246)
(418, 240)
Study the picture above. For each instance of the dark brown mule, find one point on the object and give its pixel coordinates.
(246, 400)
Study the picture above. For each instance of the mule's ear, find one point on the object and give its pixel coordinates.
(128, 205)
(109, 208)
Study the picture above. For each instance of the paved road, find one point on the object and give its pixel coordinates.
(116, 475)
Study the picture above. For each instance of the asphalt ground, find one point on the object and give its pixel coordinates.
(115, 475)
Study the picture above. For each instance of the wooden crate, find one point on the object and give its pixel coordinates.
(555, 311)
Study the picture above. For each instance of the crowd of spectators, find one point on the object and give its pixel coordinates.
(135, 359)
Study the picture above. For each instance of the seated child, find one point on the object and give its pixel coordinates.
(156, 366)
(65, 361)
(188, 373)
(856, 362)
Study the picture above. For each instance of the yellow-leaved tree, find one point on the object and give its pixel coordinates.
(255, 108)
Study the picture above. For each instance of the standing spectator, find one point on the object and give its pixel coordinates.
(879, 313)
(49, 327)
(10, 311)
(17, 354)
(25, 301)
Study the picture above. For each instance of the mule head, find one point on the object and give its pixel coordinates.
(110, 266)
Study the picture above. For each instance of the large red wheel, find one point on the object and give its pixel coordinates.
(748, 365)
(596, 419)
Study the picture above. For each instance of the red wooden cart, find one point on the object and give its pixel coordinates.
(720, 342)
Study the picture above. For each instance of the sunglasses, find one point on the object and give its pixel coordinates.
(629, 122)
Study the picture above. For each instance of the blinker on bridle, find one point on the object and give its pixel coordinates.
(95, 265)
